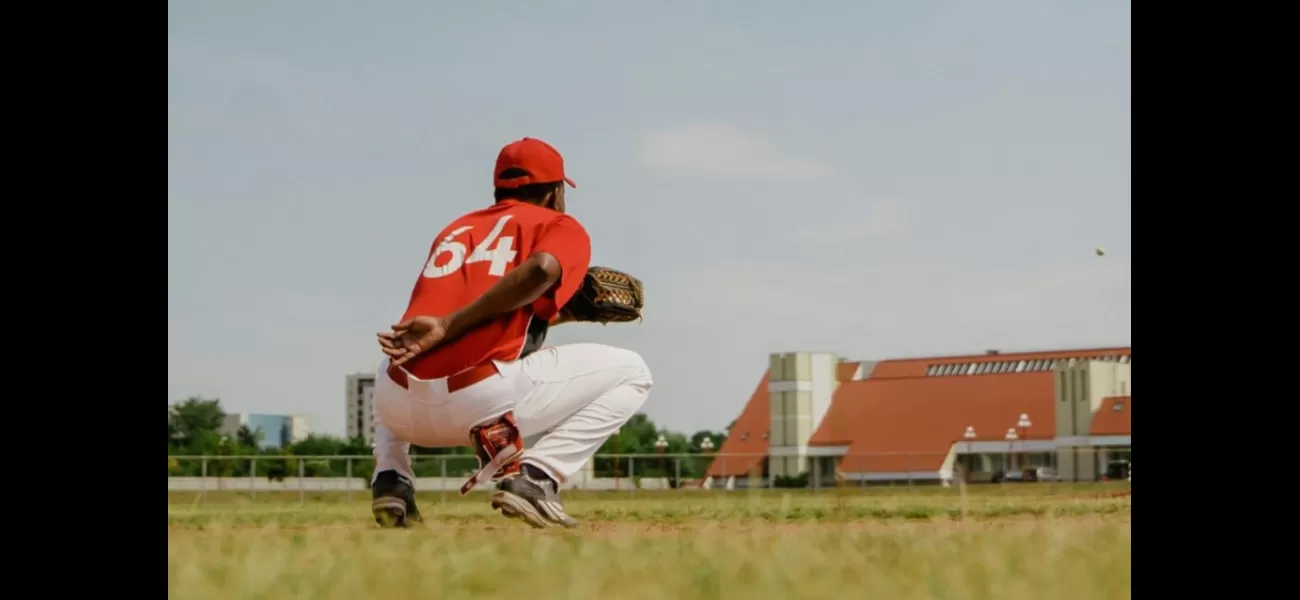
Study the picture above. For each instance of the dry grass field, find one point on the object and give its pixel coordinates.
(1024, 541)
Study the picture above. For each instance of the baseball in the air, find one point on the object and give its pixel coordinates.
(1101, 252)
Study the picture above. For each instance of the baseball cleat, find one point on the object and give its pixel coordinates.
(394, 501)
(532, 497)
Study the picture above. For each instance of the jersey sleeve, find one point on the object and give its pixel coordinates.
(568, 242)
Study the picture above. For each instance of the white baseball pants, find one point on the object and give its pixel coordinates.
(567, 400)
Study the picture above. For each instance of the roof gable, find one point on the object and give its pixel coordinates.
(1113, 417)
(746, 444)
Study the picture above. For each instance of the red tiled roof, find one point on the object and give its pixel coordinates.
(915, 367)
(909, 424)
(1112, 421)
(746, 436)
(846, 369)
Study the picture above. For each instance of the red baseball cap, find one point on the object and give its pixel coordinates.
(542, 163)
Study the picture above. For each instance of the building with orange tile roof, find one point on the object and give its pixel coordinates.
(902, 419)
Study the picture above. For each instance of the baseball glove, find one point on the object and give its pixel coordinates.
(607, 296)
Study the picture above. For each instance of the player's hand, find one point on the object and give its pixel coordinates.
(411, 337)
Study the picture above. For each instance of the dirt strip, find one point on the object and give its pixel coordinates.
(602, 528)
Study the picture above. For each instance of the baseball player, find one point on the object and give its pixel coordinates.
(467, 359)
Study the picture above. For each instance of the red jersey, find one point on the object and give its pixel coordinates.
(470, 256)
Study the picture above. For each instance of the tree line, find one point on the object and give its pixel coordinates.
(194, 429)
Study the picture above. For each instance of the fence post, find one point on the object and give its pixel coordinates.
(203, 477)
(347, 471)
(302, 473)
(677, 472)
(631, 474)
(252, 476)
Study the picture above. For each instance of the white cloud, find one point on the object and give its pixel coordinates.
(723, 151)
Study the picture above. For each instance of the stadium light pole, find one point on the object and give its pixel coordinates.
(969, 435)
(1011, 445)
(1023, 425)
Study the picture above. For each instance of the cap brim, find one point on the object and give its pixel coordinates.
(570, 182)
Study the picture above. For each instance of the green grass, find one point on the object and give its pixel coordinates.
(1006, 542)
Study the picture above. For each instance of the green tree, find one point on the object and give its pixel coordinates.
(320, 445)
(194, 428)
(192, 418)
(316, 445)
(249, 438)
(637, 436)
(717, 437)
(699, 463)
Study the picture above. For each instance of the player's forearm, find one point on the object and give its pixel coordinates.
(521, 286)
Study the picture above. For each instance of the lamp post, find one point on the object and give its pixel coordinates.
(1011, 444)
(969, 435)
(1023, 425)
(617, 434)
(706, 446)
(661, 445)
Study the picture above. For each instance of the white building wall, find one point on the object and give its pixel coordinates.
(299, 428)
(359, 406)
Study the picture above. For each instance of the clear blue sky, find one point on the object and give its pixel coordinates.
(875, 179)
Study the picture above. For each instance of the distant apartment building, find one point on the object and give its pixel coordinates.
(359, 406)
(274, 431)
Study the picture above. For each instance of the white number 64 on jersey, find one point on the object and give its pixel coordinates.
(498, 250)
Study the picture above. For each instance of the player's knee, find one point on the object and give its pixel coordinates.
(640, 371)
